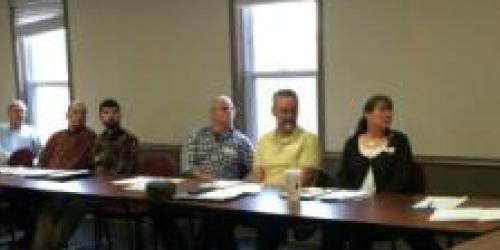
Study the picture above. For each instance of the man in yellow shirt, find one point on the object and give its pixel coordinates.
(287, 147)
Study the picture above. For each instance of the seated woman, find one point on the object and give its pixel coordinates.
(376, 159)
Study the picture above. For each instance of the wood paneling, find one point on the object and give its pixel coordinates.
(445, 175)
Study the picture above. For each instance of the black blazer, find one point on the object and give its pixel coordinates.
(393, 169)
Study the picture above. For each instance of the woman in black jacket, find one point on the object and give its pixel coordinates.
(376, 159)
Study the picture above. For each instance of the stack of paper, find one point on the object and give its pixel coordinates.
(218, 184)
(222, 194)
(248, 188)
(342, 195)
(466, 214)
(308, 193)
(50, 174)
(440, 202)
(221, 189)
(26, 172)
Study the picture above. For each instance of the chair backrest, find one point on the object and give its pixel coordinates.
(323, 179)
(156, 164)
(419, 179)
(22, 157)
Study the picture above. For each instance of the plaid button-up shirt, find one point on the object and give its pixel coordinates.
(116, 152)
(223, 156)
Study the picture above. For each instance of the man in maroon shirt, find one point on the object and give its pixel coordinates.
(71, 148)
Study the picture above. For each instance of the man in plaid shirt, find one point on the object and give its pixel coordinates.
(218, 151)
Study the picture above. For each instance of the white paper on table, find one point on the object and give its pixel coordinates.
(223, 194)
(345, 195)
(248, 187)
(308, 192)
(466, 214)
(219, 184)
(490, 214)
(440, 202)
(456, 214)
(28, 171)
(139, 183)
(216, 195)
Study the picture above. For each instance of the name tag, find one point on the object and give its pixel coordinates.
(389, 150)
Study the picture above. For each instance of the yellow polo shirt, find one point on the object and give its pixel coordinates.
(277, 153)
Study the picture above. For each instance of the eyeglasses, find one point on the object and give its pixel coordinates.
(222, 108)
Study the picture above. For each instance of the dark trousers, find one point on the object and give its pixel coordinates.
(24, 207)
(57, 220)
(270, 234)
(214, 232)
(166, 227)
(336, 237)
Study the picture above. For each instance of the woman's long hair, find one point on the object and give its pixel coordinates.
(369, 107)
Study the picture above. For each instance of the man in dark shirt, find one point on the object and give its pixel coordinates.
(116, 150)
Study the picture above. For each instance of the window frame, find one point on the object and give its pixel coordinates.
(23, 87)
(240, 74)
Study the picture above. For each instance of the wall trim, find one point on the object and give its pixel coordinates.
(427, 160)
(441, 161)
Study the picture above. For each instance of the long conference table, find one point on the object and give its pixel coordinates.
(391, 211)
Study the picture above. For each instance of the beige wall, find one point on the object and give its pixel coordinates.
(440, 60)
(7, 90)
(163, 60)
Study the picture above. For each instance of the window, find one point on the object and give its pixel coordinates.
(277, 47)
(42, 62)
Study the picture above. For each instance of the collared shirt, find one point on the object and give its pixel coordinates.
(69, 150)
(276, 153)
(223, 156)
(12, 140)
(116, 152)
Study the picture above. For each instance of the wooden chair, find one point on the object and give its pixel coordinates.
(152, 164)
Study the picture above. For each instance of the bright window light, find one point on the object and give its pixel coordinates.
(279, 52)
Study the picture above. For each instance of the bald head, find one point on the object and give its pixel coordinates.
(77, 115)
(222, 101)
(16, 112)
(222, 114)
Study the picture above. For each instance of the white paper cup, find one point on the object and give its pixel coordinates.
(292, 184)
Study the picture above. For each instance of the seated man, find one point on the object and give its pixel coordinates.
(287, 147)
(16, 135)
(218, 151)
(70, 148)
(67, 149)
(116, 150)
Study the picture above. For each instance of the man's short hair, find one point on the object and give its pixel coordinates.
(16, 103)
(285, 93)
(74, 104)
(109, 103)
